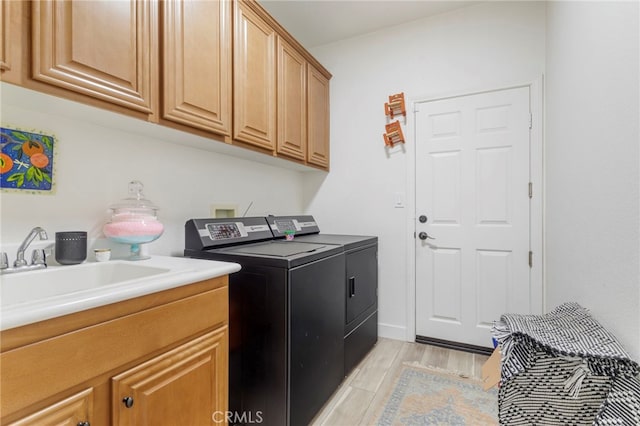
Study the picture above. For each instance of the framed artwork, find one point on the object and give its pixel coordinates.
(26, 161)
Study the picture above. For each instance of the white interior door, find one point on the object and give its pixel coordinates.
(472, 189)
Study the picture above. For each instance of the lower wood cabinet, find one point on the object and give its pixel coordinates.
(74, 410)
(178, 387)
(160, 359)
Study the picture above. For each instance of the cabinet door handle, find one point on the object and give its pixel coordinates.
(352, 286)
(84, 424)
(128, 401)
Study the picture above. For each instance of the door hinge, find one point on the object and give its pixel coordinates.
(530, 189)
(530, 259)
(530, 121)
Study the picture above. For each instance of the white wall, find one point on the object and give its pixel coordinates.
(100, 152)
(592, 156)
(480, 47)
(593, 162)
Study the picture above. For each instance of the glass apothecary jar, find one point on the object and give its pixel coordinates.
(134, 221)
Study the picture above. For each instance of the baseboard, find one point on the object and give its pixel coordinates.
(454, 345)
(390, 331)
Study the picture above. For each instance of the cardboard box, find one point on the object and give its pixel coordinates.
(491, 370)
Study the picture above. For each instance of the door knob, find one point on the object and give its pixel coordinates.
(422, 219)
(424, 236)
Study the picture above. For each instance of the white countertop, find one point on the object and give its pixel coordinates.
(178, 271)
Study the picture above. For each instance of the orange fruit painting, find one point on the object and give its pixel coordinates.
(26, 160)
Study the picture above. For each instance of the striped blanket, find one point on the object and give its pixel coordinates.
(564, 368)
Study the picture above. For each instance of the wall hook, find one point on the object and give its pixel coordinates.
(395, 106)
(393, 134)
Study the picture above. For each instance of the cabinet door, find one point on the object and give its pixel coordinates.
(254, 79)
(318, 118)
(11, 41)
(102, 49)
(362, 283)
(292, 102)
(197, 64)
(5, 35)
(75, 410)
(185, 386)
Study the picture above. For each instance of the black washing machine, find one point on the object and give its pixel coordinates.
(361, 280)
(286, 320)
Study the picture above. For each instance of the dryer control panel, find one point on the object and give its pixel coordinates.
(205, 234)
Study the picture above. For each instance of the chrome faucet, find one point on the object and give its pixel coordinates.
(38, 260)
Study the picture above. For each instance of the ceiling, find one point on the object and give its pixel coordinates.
(317, 22)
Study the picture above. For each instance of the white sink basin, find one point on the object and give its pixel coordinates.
(32, 296)
(44, 283)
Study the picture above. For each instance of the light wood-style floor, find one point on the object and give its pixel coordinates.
(364, 391)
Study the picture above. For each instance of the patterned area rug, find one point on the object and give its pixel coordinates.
(426, 396)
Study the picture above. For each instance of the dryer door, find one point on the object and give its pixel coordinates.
(362, 285)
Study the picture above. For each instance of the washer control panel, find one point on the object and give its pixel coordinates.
(298, 225)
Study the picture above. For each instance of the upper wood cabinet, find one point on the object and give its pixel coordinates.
(254, 79)
(318, 118)
(5, 30)
(292, 117)
(224, 70)
(196, 64)
(12, 38)
(292, 102)
(102, 49)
